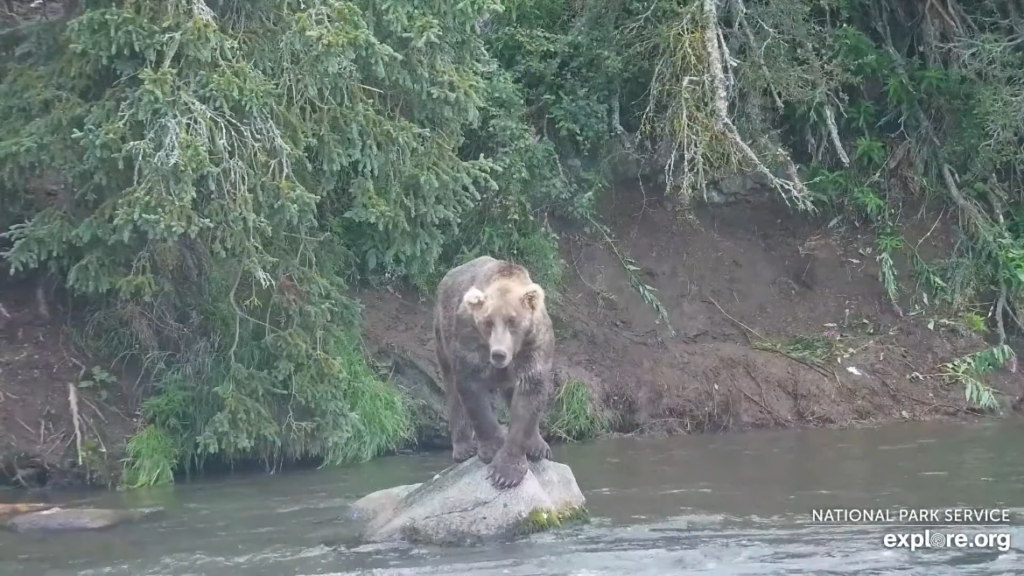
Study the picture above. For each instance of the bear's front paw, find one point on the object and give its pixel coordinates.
(486, 451)
(538, 449)
(506, 471)
(463, 452)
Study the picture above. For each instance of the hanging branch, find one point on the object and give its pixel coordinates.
(76, 419)
(833, 130)
(715, 51)
(979, 222)
(741, 22)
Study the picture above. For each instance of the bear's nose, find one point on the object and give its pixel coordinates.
(498, 358)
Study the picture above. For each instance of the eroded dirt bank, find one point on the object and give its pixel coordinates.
(751, 264)
(739, 276)
(39, 361)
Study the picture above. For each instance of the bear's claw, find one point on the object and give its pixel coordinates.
(506, 471)
(538, 449)
(463, 453)
(487, 451)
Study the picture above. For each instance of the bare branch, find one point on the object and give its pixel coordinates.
(791, 190)
(833, 131)
(76, 419)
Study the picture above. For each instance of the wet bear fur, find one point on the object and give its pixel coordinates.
(493, 334)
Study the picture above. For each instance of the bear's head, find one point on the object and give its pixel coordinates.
(504, 314)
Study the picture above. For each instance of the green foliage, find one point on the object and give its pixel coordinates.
(975, 323)
(525, 183)
(568, 63)
(210, 178)
(575, 414)
(883, 105)
(815, 349)
(100, 380)
(151, 460)
(841, 341)
(969, 371)
(383, 421)
(923, 117)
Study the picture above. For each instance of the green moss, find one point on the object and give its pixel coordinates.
(542, 520)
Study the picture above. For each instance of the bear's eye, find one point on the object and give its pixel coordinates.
(511, 321)
(488, 325)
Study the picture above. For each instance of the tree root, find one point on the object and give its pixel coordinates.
(715, 50)
(76, 419)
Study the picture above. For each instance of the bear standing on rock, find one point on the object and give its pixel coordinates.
(493, 333)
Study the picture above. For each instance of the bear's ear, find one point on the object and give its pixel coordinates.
(474, 298)
(533, 297)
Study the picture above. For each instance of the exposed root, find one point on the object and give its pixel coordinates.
(833, 131)
(984, 228)
(44, 310)
(795, 189)
(736, 322)
(75, 419)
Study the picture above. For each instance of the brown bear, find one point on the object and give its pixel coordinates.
(492, 333)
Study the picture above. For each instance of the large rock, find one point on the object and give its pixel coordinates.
(460, 507)
(379, 503)
(76, 519)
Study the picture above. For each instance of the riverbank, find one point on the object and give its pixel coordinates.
(779, 322)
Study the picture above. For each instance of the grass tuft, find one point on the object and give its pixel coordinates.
(575, 415)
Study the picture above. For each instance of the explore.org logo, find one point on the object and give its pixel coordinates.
(934, 539)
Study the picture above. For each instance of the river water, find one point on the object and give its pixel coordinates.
(736, 504)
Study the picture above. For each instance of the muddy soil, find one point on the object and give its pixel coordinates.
(732, 278)
(735, 277)
(38, 362)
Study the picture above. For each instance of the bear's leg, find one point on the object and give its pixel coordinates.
(510, 464)
(463, 443)
(536, 448)
(476, 402)
(459, 426)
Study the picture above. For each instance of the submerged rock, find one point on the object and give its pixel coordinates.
(379, 503)
(460, 507)
(76, 519)
(8, 510)
(345, 532)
